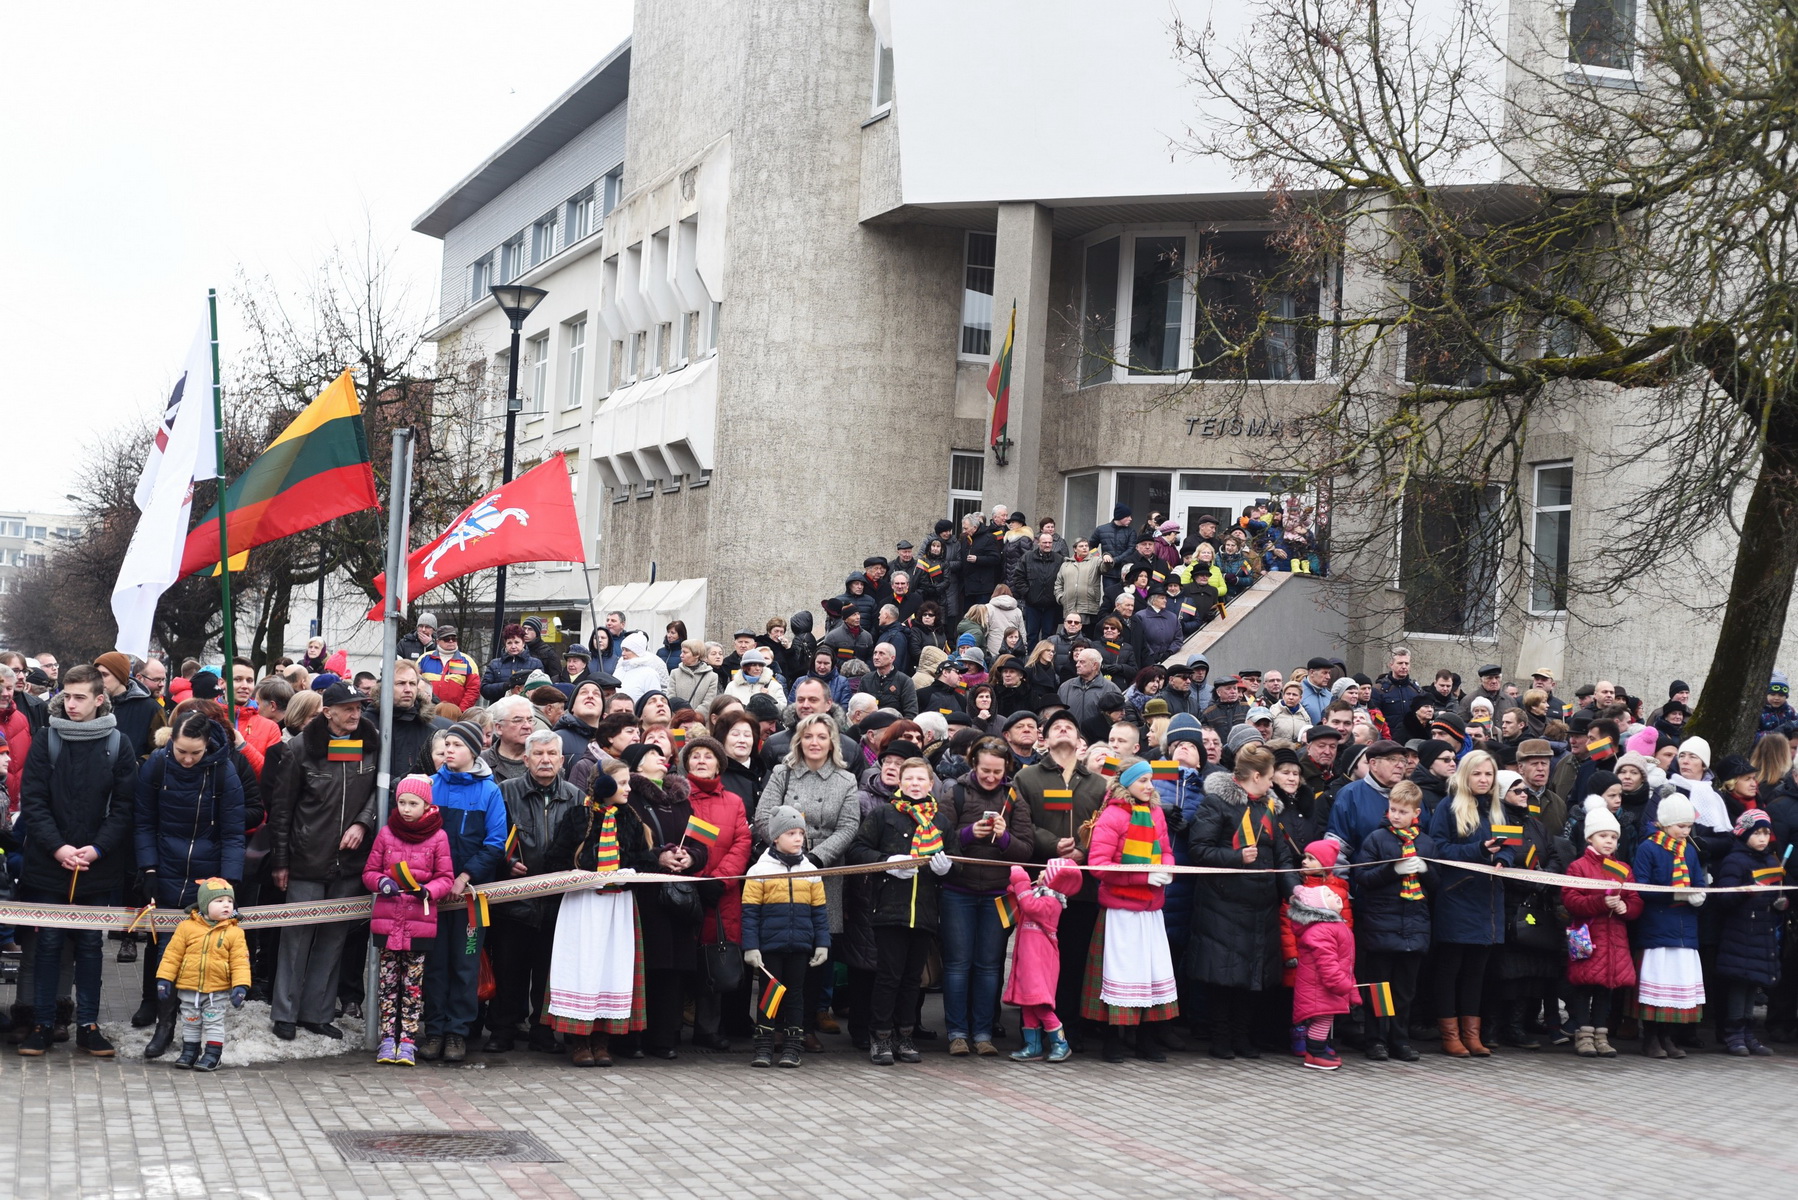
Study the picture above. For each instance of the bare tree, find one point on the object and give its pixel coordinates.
(1514, 233)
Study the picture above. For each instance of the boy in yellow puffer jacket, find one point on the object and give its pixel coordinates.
(208, 963)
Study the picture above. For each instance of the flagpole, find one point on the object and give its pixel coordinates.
(399, 510)
(218, 432)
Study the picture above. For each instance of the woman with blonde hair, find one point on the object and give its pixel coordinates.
(1772, 761)
(1469, 916)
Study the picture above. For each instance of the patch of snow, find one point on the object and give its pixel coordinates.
(249, 1038)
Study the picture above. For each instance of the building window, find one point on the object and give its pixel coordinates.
(1146, 492)
(36, 533)
(1251, 321)
(635, 367)
(977, 295)
(582, 216)
(1099, 313)
(480, 278)
(883, 75)
(577, 363)
(612, 189)
(615, 367)
(1449, 557)
(511, 259)
(543, 239)
(1157, 289)
(664, 347)
(539, 360)
(1551, 534)
(1602, 34)
(711, 326)
(1080, 510)
(967, 483)
(1438, 350)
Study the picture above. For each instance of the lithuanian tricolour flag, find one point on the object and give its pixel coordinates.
(998, 385)
(316, 471)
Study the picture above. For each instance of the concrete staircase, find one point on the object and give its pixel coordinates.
(1281, 621)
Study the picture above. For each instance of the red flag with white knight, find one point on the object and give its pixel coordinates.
(531, 519)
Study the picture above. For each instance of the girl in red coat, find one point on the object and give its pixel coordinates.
(702, 761)
(410, 871)
(1599, 976)
(1036, 962)
(1129, 970)
(1325, 984)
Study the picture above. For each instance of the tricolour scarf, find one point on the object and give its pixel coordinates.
(1141, 846)
(1408, 887)
(926, 839)
(1682, 874)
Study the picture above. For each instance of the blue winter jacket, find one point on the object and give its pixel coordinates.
(1360, 809)
(474, 819)
(1384, 921)
(189, 820)
(1666, 922)
(1314, 700)
(1470, 907)
(1748, 942)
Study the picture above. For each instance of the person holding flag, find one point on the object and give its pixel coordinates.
(670, 931)
(1600, 975)
(720, 823)
(786, 932)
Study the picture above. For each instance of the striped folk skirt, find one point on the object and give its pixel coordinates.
(596, 966)
(1135, 983)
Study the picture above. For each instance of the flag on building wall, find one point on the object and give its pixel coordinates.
(531, 519)
(998, 384)
(316, 471)
(182, 452)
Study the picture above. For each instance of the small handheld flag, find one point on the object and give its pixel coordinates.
(1616, 870)
(1109, 768)
(768, 1007)
(701, 830)
(1769, 876)
(1508, 835)
(1058, 800)
(1379, 999)
(402, 875)
(678, 738)
(344, 750)
(1597, 746)
(1007, 914)
(1245, 833)
(1164, 770)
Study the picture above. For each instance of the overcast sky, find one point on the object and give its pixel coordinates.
(153, 148)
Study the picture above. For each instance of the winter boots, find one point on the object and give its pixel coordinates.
(764, 1049)
(1513, 1032)
(166, 1012)
(190, 1054)
(209, 1060)
(792, 1049)
(1450, 1033)
(1470, 1038)
(1319, 1056)
(1740, 1042)
(1032, 1050)
(905, 1050)
(1583, 1042)
(1056, 1045)
(1601, 1044)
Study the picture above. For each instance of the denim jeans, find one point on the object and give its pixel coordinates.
(973, 961)
(88, 944)
(452, 976)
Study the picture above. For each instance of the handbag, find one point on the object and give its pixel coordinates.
(680, 902)
(1579, 943)
(723, 962)
(1533, 929)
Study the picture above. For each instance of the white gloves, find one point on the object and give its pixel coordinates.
(1657, 779)
(819, 955)
(939, 863)
(1411, 866)
(1695, 899)
(752, 959)
(901, 872)
(1160, 878)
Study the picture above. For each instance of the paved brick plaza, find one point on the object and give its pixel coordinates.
(1542, 1124)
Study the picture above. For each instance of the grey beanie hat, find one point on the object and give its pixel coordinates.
(783, 819)
(426, 618)
(1243, 735)
(470, 735)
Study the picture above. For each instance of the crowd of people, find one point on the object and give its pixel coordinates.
(1389, 840)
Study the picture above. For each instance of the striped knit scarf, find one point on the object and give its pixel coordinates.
(605, 851)
(1408, 886)
(1141, 846)
(926, 839)
(1682, 874)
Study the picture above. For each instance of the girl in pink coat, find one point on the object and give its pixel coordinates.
(1325, 983)
(410, 872)
(1036, 961)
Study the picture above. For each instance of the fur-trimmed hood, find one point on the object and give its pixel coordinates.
(1223, 786)
(1303, 914)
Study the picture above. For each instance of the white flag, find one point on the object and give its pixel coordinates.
(183, 452)
(196, 376)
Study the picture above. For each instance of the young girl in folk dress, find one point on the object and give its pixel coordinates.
(596, 965)
(1670, 986)
(1036, 963)
(1130, 971)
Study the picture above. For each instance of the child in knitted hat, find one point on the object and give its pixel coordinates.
(1748, 943)
(207, 964)
(1319, 864)
(1670, 987)
(1325, 984)
(1603, 968)
(786, 932)
(1395, 885)
(409, 871)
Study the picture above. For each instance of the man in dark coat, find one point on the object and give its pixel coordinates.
(981, 561)
(1041, 567)
(76, 809)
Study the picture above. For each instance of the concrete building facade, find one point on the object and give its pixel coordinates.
(824, 213)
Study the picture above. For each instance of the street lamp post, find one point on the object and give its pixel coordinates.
(516, 302)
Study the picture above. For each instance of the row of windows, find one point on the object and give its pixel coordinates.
(11, 528)
(580, 216)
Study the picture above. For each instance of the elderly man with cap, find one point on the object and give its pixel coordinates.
(1317, 759)
(1229, 710)
(1535, 758)
(1491, 687)
(423, 637)
(322, 816)
(1361, 806)
(1315, 691)
(452, 676)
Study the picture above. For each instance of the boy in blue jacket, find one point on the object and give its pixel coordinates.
(475, 821)
(786, 930)
(1392, 910)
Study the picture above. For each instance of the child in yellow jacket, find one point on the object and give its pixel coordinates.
(208, 964)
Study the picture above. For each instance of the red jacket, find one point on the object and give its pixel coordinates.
(729, 856)
(1325, 982)
(1289, 941)
(1129, 890)
(259, 733)
(1611, 965)
(17, 728)
(407, 916)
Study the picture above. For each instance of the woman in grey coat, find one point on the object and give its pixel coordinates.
(813, 779)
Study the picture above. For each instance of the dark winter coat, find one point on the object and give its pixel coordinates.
(895, 690)
(1666, 922)
(1392, 698)
(1748, 946)
(783, 909)
(577, 836)
(412, 730)
(506, 670)
(1538, 853)
(536, 812)
(907, 903)
(190, 820)
(669, 942)
(85, 801)
(1040, 570)
(315, 802)
(1235, 939)
(1470, 907)
(139, 717)
(1015, 845)
(576, 737)
(980, 577)
(474, 820)
(1178, 795)
(1385, 922)
(1156, 635)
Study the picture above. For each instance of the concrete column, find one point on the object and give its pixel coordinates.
(1021, 273)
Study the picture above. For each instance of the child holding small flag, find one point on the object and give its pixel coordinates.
(1670, 987)
(786, 931)
(1318, 869)
(1394, 931)
(903, 902)
(1748, 947)
(1129, 969)
(1324, 987)
(410, 872)
(1036, 965)
(1606, 967)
